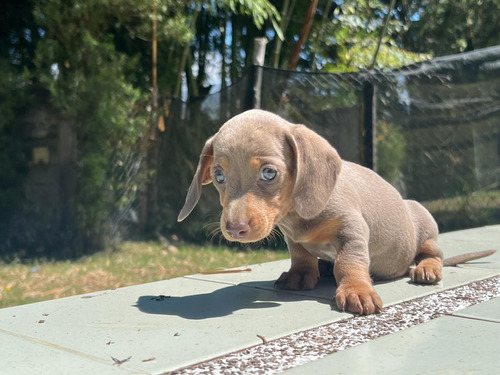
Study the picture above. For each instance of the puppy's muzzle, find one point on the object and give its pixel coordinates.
(237, 229)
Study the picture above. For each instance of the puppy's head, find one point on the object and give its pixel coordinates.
(263, 167)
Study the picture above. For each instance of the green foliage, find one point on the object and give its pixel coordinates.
(360, 56)
(347, 36)
(13, 163)
(354, 35)
(13, 169)
(172, 18)
(259, 10)
(450, 26)
(87, 80)
(95, 57)
(10, 92)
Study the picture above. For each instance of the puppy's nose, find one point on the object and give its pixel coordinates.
(237, 229)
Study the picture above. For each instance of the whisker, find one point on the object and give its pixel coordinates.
(216, 234)
(212, 230)
(273, 237)
(285, 227)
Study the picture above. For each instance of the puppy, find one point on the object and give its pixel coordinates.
(269, 172)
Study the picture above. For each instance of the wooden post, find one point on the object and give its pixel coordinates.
(149, 148)
(259, 54)
(369, 129)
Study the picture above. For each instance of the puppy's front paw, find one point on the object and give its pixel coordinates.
(358, 298)
(426, 272)
(297, 279)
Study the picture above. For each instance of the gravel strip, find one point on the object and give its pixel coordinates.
(277, 355)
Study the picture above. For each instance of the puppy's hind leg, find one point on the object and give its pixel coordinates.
(429, 257)
(429, 262)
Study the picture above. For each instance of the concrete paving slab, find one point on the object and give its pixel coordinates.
(177, 321)
(182, 321)
(22, 355)
(447, 345)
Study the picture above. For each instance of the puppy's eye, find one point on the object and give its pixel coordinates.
(219, 176)
(268, 174)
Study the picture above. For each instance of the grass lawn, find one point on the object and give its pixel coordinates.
(131, 263)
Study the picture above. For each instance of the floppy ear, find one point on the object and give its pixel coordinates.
(317, 165)
(201, 177)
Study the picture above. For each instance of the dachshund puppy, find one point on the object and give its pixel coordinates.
(269, 172)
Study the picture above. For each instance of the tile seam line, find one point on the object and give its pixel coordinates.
(476, 266)
(461, 316)
(64, 349)
(288, 292)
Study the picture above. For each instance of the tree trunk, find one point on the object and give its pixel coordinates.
(382, 33)
(193, 90)
(184, 58)
(234, 49)
(223, 51)
(304, 33)
(286, 15)
(203, 46)
(149, 147)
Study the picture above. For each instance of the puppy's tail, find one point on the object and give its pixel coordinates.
(462, 258)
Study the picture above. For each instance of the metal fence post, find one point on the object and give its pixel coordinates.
(369, 126)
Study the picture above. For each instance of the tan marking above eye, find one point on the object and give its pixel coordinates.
(222, 162)
(255, 162)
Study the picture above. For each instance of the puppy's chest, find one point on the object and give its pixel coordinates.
(324, 251)
(317, 236)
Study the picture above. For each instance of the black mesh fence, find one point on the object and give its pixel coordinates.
(330, 104)
(187, 127)
(431, 129)
(438, 137)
